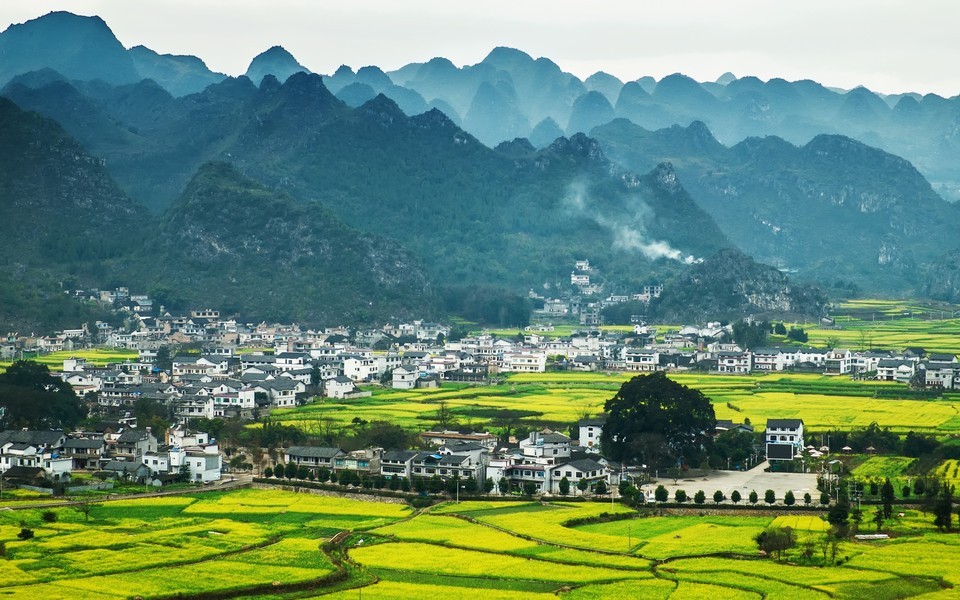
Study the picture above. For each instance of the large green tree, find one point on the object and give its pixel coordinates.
(33, 398)
(658, 422)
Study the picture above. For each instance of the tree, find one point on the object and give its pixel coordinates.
(291, 470)
(747, 335)
(444, 416)
(302, 472)
(268, 472)
(824, 498)
(680, 496)
(769, 497)
(600, 488)
(32, 398)
(753, 498)
(164, 359)
(735, 497)
(395, 482)
(660, 494)
(488, 485)
(839, 514)
(943, 509)
(582, 485)
(807, 499)
(732, 447)
(503, 485)
(775, 540)
(718, 497)
(279, 471)
(789, 499)
(529, 488)
(887, 495)
(564, 486)
(878, 518)
(656, 421)
(85, 508)
(798, 335)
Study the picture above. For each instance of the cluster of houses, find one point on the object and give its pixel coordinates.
(536, 463)
(586, 302)
(117, 451)
(233, 381)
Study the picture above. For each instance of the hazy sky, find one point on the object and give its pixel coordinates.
(888, 46)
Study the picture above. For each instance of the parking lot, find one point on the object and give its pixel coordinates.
(742, 481)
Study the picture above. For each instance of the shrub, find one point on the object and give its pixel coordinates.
(25, 534)
(49, 516)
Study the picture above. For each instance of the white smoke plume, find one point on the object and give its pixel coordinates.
(628, 234)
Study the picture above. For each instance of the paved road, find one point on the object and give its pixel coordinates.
(745, 482)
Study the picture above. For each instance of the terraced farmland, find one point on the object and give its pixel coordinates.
(230, 543)
(274, 544)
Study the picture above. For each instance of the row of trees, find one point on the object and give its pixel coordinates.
(661, 494)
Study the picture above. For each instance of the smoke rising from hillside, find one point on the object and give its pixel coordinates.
(628, 234)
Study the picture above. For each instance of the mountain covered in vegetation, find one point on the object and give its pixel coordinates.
(482, 180)
(251, 250)
(227, 242)
(513, 215)
(782, 204)
(57, 205)
(728, 285)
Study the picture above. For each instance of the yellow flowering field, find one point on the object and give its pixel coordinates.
(427, 558)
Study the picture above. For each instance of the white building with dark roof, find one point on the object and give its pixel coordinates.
(313, 456)
(783, 438)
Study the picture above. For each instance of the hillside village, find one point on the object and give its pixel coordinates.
(206, 366)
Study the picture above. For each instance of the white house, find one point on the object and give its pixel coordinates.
(405, 377)
(784, 438)
(575, 471)
(734, 362)
(590, 432)
(359, 368)
(339, 387)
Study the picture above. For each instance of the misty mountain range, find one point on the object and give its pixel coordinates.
(498, 174)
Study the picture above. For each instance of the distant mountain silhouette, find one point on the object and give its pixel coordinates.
(274, 61)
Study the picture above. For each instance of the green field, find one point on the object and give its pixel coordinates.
(193, 544)
(96, 356)
(272, 544)
(558, 399)
(892, 325)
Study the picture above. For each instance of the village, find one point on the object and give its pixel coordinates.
(204, 365)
